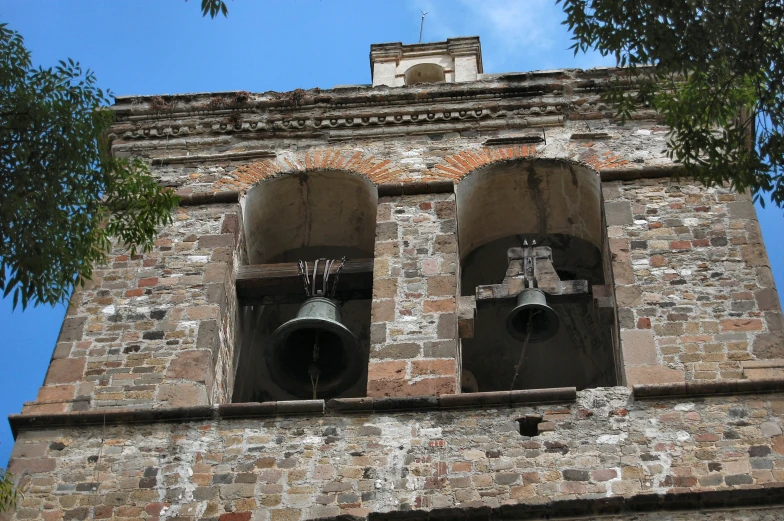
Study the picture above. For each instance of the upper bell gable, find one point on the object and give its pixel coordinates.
(456, 60)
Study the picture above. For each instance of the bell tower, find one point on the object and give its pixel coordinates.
(440, 296)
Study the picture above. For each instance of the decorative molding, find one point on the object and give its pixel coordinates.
(534, 96)
(545, 114)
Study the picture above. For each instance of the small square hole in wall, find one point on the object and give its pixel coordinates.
(529, 425)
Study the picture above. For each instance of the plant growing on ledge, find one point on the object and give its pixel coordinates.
(63, 197)
(8, 494)
(703, 65)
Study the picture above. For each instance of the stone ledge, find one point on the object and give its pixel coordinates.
(513, 140)
(708, 388)
(384, 190)
(728, 499)
(289, 408)
(642, 172)
(453, 401)
(205, 158)
(197, 198)
(416, 188)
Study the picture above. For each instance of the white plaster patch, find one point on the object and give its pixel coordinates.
(108, 310)
(474, 455)
(684, 407)
(434, 432)
(198, 258)
(611, 439)
(188, 324)
(682, 436)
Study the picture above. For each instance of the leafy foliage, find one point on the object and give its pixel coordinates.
(62, 195)
(213, 7)
(8, 494)
(713, 70)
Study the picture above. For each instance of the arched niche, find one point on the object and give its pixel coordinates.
(309, 215)
(528, 197)
(425, 73)
(302, 216)
(557, 204)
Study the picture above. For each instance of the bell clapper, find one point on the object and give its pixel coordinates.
(313, 371)
(522, 351)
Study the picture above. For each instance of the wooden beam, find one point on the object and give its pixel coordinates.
(558, 291)
(282, 283)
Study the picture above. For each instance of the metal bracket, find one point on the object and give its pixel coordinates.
(531, 267)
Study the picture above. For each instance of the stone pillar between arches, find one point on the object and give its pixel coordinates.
(413, 336)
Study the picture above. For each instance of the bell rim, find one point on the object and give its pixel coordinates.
(350, 342)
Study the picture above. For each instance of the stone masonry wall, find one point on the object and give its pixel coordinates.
(294, 468)
(414, 317)
(147, 330)
(695, 293)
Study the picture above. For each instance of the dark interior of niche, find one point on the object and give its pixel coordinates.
(256, 324)
(252, 382)
(529, 425)
(580, 355)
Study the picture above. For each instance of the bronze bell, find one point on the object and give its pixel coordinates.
(532, 308)
(314, 353)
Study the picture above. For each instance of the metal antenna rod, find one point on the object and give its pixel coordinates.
(421, 26)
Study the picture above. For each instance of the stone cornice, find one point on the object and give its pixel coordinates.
(526, 99)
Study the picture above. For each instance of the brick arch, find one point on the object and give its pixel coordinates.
(459, 165)
(373, 168)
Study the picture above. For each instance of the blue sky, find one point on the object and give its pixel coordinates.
(166, 47)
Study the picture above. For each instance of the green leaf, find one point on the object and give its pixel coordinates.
(711, 68)
(62, 194)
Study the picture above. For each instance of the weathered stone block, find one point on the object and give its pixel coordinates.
(441, 286)
(639, 347)
(618, 213)
(653, 374)
(424, 387)
(397, 351)
(65, 370)
(190, 365)
(383, 310)
(384, 288)
(216, 241)
(72, 329)
(433, 367)
(387, 231)
(769, 345)
(208, 335)
(392, 370)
